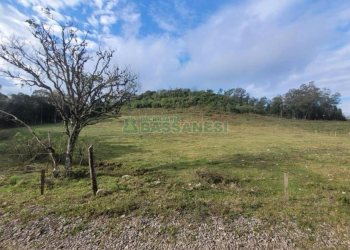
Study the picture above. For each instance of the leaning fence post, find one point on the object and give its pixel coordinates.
(92, 170)
(286, 195)
(42, 182)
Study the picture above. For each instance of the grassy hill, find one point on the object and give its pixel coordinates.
(225, 174)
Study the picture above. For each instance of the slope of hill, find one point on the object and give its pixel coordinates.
(230, 175)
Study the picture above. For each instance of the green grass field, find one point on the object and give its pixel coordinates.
(239, 173)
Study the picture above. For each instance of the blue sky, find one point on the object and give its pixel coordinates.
(264, 46)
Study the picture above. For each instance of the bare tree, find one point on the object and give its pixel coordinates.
(81, 85)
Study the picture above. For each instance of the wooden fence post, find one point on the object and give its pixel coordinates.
(286, 195)
(92, 170)
(42, 182)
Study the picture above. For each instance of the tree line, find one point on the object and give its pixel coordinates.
(32, 109)
(306, 102)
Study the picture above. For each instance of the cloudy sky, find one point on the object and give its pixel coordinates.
(264, 46)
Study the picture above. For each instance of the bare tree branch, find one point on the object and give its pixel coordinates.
(48, 147)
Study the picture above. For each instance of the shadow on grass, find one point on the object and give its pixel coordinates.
(110, 150)
(261, 161)
(245, 166)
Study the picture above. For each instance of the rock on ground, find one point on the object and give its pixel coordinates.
(155, 233)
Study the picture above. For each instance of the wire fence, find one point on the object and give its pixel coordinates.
(44, 174)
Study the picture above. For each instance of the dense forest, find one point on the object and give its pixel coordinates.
(32, 109)
(306, 102)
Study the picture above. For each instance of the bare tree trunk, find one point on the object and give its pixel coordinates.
(72, 139)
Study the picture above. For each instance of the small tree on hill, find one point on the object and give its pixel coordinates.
(82, 86)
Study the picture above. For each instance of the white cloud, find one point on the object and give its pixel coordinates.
(93, 21)
(109, 13)
(131, 20)
(265, 46)
(246, 45)
(99, 4)
(329, 70)
(165, 23)
(107, 20)
(172, 16)
(151, 57)
(232, 48)
(13, 88)
(182, 8)
(40, 12)
(55, 4)
(268, 8)
(12, 22)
